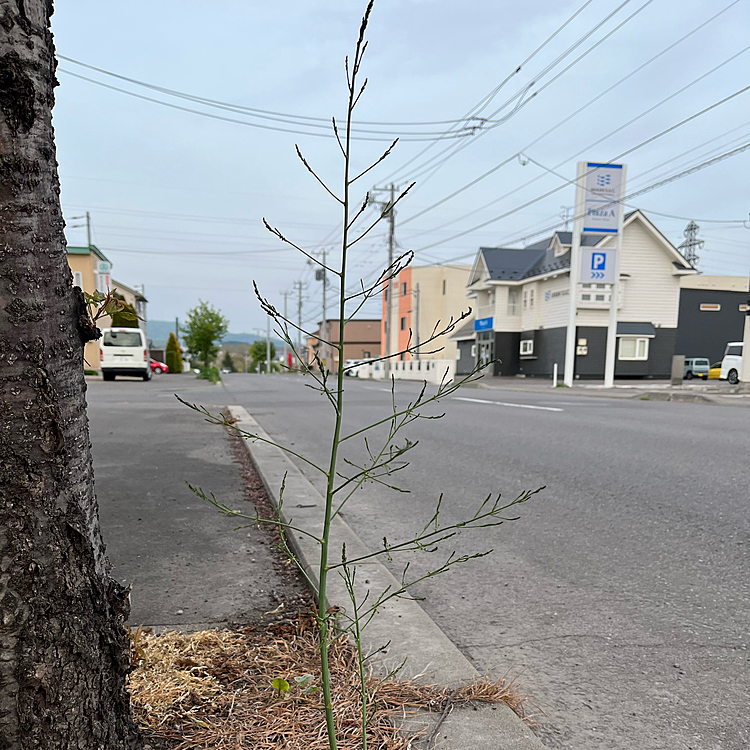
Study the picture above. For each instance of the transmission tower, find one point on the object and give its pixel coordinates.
(692, 244)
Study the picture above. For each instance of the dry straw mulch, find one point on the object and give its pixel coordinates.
(213, 689)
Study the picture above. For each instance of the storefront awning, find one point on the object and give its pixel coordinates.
(636, 329)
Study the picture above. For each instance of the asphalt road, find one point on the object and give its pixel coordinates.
(622, 594)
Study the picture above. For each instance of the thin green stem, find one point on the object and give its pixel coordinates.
(323, 616)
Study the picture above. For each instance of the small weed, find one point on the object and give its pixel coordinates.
(644, 397)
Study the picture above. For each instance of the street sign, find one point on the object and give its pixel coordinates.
(602, 189)
(483, 324)
(598, 265)
(103, 266)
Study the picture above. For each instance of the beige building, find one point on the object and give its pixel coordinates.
(422, 296)
(92, 271)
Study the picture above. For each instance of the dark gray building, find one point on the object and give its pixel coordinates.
(712, 313)
(521, 298)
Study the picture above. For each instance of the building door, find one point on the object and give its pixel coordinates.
(486, 341)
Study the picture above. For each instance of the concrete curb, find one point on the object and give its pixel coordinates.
(402, 624)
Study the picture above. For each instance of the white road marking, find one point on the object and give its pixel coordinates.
(505, 403)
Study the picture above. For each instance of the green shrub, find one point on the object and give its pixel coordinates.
(90, 372)
(209, 373)
(174, 354)
(172, 362)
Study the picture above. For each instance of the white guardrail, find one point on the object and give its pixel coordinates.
(432, 370)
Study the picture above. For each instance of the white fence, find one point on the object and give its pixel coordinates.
(432, 370)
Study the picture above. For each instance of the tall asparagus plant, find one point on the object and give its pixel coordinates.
(384, 458)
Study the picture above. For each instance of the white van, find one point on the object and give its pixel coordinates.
(123, 351)
(731, 365)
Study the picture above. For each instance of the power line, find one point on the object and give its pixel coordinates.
(477, 108)
(407, 138)
(457, 149)
(624, 200)
(255, 111)
(570, 117)
(569, 182)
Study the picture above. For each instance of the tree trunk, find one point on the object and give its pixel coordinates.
(64, 654)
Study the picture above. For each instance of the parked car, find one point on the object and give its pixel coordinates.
(696, 367)
(714, 372)
(123, 351)
(352, 366)
(731, 365)
(158, 367)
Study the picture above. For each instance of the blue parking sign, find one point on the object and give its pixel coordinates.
(597, 265)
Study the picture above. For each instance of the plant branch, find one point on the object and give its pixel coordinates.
(312, 172)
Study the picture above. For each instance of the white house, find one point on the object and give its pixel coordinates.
(521, 299)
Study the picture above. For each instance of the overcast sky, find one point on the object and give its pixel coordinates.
(176, 198)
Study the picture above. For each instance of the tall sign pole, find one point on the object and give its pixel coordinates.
(575, 270)
(609, 364)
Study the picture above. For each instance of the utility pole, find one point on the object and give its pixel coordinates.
(268, 344)
(416, 326)
(320, 275)
(299, 286)
(285, 295)
(88, 229)
(391, 213)
(692, 244)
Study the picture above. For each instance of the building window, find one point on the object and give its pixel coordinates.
(531, 298)
(706, 307)
(78, 279)
(527, 347)
(473, 350)
(525, 298)
(366, 355)
(443, 286)
(512, 301)
(597, 295)
(632, 348)
(403, 324)
(403, 289)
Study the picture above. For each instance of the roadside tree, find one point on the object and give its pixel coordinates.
(205, 327)
(64, 651)
(227, 362)
(258, 352)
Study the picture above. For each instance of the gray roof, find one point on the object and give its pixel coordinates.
(511, 264)
(466, 331)
(587, 240)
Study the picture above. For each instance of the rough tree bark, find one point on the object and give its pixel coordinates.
(64, 654)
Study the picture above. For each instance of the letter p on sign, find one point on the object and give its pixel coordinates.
(598, 261)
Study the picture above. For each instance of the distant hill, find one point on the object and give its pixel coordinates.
(159, 330)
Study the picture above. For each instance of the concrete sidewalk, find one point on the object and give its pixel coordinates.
(188, 568)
